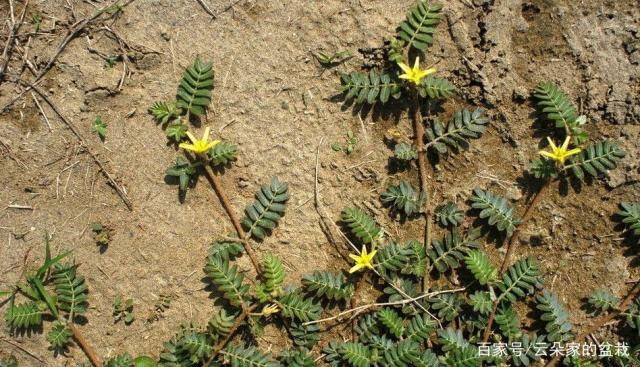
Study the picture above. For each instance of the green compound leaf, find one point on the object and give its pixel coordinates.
(164, 112)
(273, 273)
(496, 210)
(509, 323)
(356, 354)
(223, 153)
(394, 323)
(418, 29)
(59, 337)
(405, 152)
(263, 215)
(227, 279)
(480, 266)
(449, 214)
(176, 131)
(71, 290)
(447, 253)
(519, 279)
(392, 257)
(183, 170)
(596, 159)
(603, 300)
(436, 88)
(464, 126)
(333, 287)
(361, 225)
(295, 306)
(246, 356)
(194, 91)
(630, 214)
(555, 316)
(370, 88)
(404, 198)
(220, 323)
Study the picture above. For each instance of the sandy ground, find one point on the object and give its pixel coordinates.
(275, 102)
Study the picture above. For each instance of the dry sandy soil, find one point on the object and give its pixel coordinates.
(274, 100)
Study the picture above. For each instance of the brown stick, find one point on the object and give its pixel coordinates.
(85, 346)
(6, 54)
(418, 128)
(207, 9)
(215, 181)
(511, 245)
(604, 319)
(221, 344)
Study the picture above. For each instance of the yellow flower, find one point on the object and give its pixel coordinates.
(414, 74)
(199, 146)
(560, 154)
(268, 310)
(364, 260)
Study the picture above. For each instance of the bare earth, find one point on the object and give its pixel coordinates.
(275, 102)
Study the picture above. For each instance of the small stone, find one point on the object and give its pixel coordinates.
(520, 94)
(514, 193)
(616, 178)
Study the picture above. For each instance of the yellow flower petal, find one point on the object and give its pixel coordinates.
(404, 67)
(191, 137)
(565, 145)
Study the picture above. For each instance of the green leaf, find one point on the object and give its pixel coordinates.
(183, 170)
(164, 112)
(273, 273)
(464, 126)
(595, 159)
(404, 198)
(405, 152)
(71, 289)
(176, 131)
(227, 279)
(509, 323)
(194, 91)
(59, 337)
(556, 105)
(555, 316)
(418, 29)
(519, 279)
(630, 216)
(295, 306)
(369, 88)
(356, 354)
(481, 302)
(481, 267)
(389, 318)
(496, 210)
(449, 214)
(99, 127)
(603, 300)
(361, 225)
(436, 88)
(333, 287)
(223, 153)
(447, 253)
(263, 215)
(26, 315)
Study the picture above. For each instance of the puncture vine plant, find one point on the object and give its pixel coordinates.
(423, 316)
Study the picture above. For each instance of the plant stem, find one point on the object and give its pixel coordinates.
(222, 343)
(511, 245)
(216, 182)
(85, 346)
(604, 319)
(424, 186)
